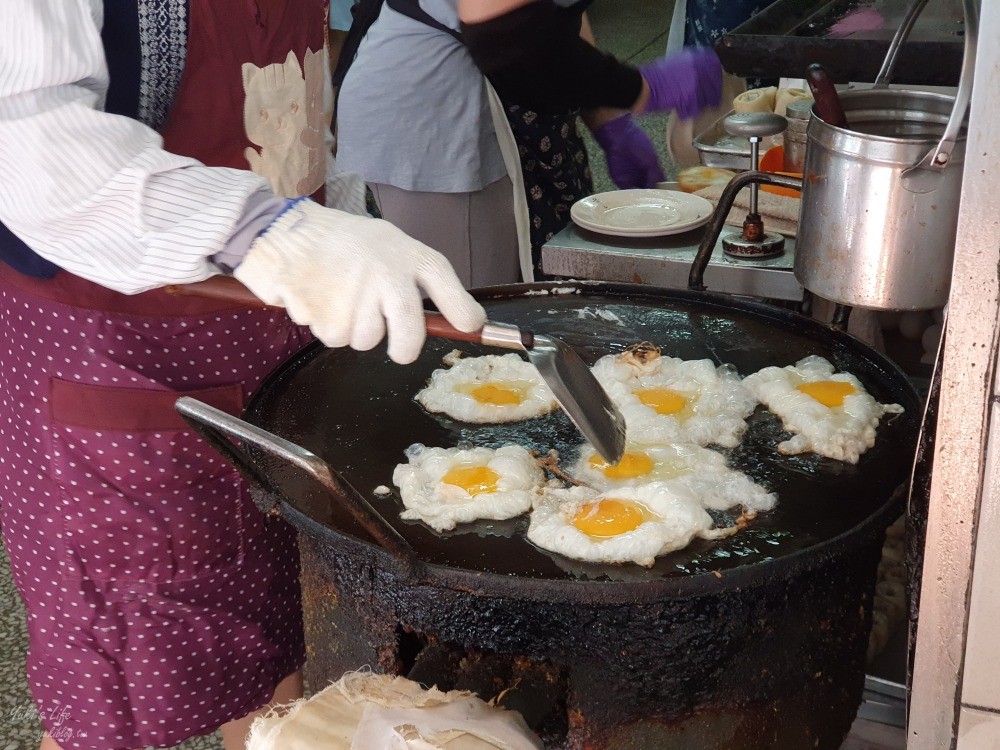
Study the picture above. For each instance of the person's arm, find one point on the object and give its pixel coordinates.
(594, 118)
(95, 193)
(587, 31)
(532, 56)
(477, 11)
(630, 154)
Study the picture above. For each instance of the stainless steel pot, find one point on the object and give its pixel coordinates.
(880, 198)
(864, 239)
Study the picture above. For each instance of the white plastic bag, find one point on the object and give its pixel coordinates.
(366, 711)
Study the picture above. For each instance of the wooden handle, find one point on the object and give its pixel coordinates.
(438, 326)
(224, 288)
(825, 93)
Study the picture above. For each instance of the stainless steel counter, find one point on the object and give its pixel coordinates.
(666, 262)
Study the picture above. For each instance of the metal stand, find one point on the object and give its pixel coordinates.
(714, 228)
(753, 243)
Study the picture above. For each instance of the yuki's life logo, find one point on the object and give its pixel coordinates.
(55, 717)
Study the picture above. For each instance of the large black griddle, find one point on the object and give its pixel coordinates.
(356, 411)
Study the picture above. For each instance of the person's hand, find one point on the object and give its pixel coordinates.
(632, 159)
(688, 82)
(349, 278)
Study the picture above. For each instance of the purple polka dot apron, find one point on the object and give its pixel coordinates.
(161, 603)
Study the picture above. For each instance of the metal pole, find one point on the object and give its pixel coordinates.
(964, 418)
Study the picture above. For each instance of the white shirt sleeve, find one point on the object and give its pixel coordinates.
(92, 192)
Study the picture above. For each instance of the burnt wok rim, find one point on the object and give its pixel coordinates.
(495, 585)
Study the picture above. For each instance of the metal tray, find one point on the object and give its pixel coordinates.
(789, 35)
(716, 148)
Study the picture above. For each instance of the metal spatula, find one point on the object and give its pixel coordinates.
(571, 381)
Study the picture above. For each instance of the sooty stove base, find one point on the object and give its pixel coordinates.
(580, 701)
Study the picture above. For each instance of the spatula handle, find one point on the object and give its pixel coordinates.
(223, 288)
(438, 325)
(492, 334)
(230, 290)
(828, 105)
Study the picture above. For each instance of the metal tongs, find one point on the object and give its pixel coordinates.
(572, 383)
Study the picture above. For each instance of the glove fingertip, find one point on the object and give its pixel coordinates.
(330, 339)
(405, 352)
(439, 281)
(468, 316)
(367, 338)
(404, 319)
(404, 358)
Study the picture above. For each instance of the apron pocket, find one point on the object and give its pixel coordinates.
(143, 498)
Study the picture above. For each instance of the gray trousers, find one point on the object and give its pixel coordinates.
(475, 231)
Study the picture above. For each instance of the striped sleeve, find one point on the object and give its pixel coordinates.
(92, 192)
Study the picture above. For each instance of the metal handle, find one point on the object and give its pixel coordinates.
(219, 428)
(841, 317)
(939, 157)
(889, 64)
(228, 289)
(826, 102)
(754, 124)
(501, 335)
(923, 177)
(726, 200)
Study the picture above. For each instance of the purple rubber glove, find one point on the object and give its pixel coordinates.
(632, 159)
(688, 82)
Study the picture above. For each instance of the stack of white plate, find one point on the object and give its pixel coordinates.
(641, 213)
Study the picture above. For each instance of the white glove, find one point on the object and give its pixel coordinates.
(350, 277)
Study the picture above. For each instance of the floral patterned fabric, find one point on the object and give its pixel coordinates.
(708, 20)
(556, 170)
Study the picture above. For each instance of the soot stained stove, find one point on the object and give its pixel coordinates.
(755, 641)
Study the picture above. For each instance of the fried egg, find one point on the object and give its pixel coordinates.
(701, 470)
(669, 400)
(828, 412)
(444, 487)
(627, 524)
(489, 389)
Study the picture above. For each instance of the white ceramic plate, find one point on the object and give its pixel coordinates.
(641, 213)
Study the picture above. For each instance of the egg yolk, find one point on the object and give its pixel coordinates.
(631, 466)
(662, 400)
(495, 394)
(828, 392)
(609, 517)
(476, 480)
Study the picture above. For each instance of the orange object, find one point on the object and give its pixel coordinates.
(609, 517)
(830, 393)
(772, 161)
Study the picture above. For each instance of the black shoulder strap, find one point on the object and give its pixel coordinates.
(412, 9)
(365, 12)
